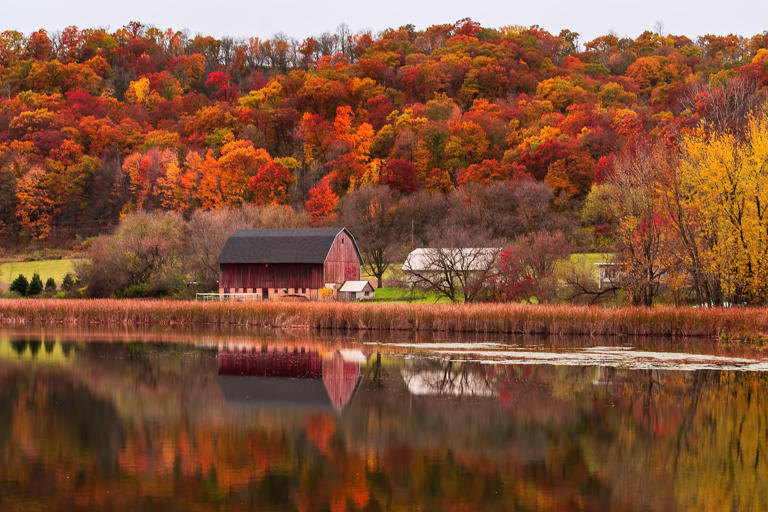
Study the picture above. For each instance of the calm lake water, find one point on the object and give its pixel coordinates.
(194, 421)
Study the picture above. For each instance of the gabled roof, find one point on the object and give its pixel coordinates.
(429, 258)
(355, 286)
(303, 245)
(277, 392)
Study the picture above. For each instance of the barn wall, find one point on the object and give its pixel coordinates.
(273, 275)
(340, 378)
(271, 364)
(342, 263)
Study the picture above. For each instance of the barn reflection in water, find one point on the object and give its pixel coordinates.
(293, 378)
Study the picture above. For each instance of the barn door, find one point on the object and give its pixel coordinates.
(265, 293)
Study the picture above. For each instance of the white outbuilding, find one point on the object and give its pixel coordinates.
(356, 290)
(430, 263)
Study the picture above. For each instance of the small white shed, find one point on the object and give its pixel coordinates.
(608, 274)
(355, 290)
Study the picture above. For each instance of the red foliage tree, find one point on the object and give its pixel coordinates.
(272, 184)
(514, 282)
(400, 175)
(322, 202)
(221, 86)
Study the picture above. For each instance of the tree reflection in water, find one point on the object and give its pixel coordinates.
(130, 426)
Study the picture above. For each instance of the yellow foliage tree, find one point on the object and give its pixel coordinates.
(266, 97)
(139, 92)
(238, 163)
(724, 179)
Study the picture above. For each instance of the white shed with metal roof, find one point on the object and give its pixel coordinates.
(356, 290)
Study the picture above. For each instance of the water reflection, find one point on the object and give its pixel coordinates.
(288, 377)
(306, 426)
(23, 349)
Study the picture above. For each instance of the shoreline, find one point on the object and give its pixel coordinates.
(503, 319)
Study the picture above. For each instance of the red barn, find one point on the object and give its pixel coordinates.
(249, 376)
(275, 263)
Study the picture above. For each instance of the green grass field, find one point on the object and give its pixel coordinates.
(586, 260)
(395, 294)
(392, 272)
(56, 269)
(590, 258)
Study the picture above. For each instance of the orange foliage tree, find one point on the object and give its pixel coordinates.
(272, 184)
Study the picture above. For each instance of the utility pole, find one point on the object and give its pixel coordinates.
(413, 244)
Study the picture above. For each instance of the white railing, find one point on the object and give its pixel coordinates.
(236, 297)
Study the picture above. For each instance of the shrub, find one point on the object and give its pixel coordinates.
(144, 251)
(35, 286)
(68, 283)
(20, 285)
(134, 291)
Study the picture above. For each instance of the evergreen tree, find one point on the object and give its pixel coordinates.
(68, 283)
(34, 346)
(20, 285)
(19, 346)
(35, 285)
(50, 285)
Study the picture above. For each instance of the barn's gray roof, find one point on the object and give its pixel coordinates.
(277, 392)
(303, 245)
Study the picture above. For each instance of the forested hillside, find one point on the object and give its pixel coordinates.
(95, 124)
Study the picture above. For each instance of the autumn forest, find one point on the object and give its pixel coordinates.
(537, 277)
(651, 148)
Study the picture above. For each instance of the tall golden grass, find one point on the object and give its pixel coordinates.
(664, 321)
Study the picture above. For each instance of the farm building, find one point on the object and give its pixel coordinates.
(257, 377)
(429, 263)
(356, 290)
(274, 263)
(608, 274)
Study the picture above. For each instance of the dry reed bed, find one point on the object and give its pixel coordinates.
(450, 318)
